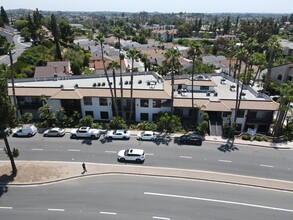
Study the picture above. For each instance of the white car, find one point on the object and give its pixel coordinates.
(27, 130)
(146, 136)
(118, 134)
(85, 132)
(135, 155)
(54, 132)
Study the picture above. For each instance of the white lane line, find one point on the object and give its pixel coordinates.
(109, 151)
(73, 150)
(56, 210)
(108, 213)
(265, 165)
(36, 149)
(220, 201)
(4, 207)
(157, 217)
(225, 161)
(187, 157)
(149, 154)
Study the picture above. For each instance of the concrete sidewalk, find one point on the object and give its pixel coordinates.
(32, 173)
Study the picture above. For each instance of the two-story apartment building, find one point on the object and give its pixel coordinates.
(90, 95)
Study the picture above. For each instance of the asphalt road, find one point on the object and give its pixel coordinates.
(128, 197)
(250, 161)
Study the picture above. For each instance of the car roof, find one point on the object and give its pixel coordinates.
(120, 130)
(135, 151)
(148, 132)
(56, 129)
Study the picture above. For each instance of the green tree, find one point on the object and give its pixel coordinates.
(7, 117)
(172, 62)
(119, 34)
(133, 55)
(26, 118)
(101, 40)
(4, 16)
(56, 35)
(61, 118)
(8, 47)
(113, 65)
(86, 121)
(169, 123)
(46, 116)
(194, 52)
(117, 123)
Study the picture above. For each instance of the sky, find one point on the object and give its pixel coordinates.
(196, 6)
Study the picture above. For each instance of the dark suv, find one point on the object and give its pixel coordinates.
(194, 139)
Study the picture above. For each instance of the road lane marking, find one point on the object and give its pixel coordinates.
(149, 154)
(4, 207)
(56, 210)
(73, 150)
(108, 213)
(109, 151)
(37, 149)
(163, 218)
(219, 201)
(187, 157)
(265, 165)
(225, 161)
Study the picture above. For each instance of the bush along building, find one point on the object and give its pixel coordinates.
(214, 94)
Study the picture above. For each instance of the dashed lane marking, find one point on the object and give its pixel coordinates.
(111, 152)
(265, 165)
(37, 149)
(56, 210)
(186, 157)
(149, 154)
(73, 150)
(4, 207)
(158, 217)
(225, 161)
(108, 213)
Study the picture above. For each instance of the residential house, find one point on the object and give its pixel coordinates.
(282, 74)
(53, 69)
(287, 47)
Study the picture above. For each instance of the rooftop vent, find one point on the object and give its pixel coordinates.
(139, 82)
(94, 84)
(208, 93)
(200, 77)
(76, 85)
(233, 88)
(99, 84)
(61, 86)
(215, 94)
(103, 84)
(223, 81)
(126, 83)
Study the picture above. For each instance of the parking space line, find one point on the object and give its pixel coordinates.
(111, 152)
(56, 210)
(3, 207)
(163, 218)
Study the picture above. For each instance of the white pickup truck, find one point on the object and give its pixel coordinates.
(85, 132)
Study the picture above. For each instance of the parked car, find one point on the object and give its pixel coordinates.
(118, 134)
(27, 130)
(85, 132)
(135, 155)
(193, 139)
(54, 132)
(146, 136)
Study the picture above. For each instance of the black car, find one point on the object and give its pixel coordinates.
(194, 139)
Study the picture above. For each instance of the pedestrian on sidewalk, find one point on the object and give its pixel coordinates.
(84, 168)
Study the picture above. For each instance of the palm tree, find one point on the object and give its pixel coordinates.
(133, 55)
(100, 38)
(286, 92)
(8, 47)
(172, 61)
(272, 47)
(258, 59)
(194, 52)
(145, 60)
(120, 35)
(113, 65)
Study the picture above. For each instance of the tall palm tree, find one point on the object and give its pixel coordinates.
(113, 65)
(194, 52)
(101, 40)
(145, 60)
(8, 47)
(133, 55)
(172, 61)
(119, 33)
(272, 47)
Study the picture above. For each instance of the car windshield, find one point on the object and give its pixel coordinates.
(126, 152)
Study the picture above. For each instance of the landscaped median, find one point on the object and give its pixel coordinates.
(38, 172)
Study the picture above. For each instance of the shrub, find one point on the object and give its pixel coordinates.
(168, 123)
(86, 121)
(117, 123)
(26, 118)
(147, 126)
(260, 137)
(246, 137)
